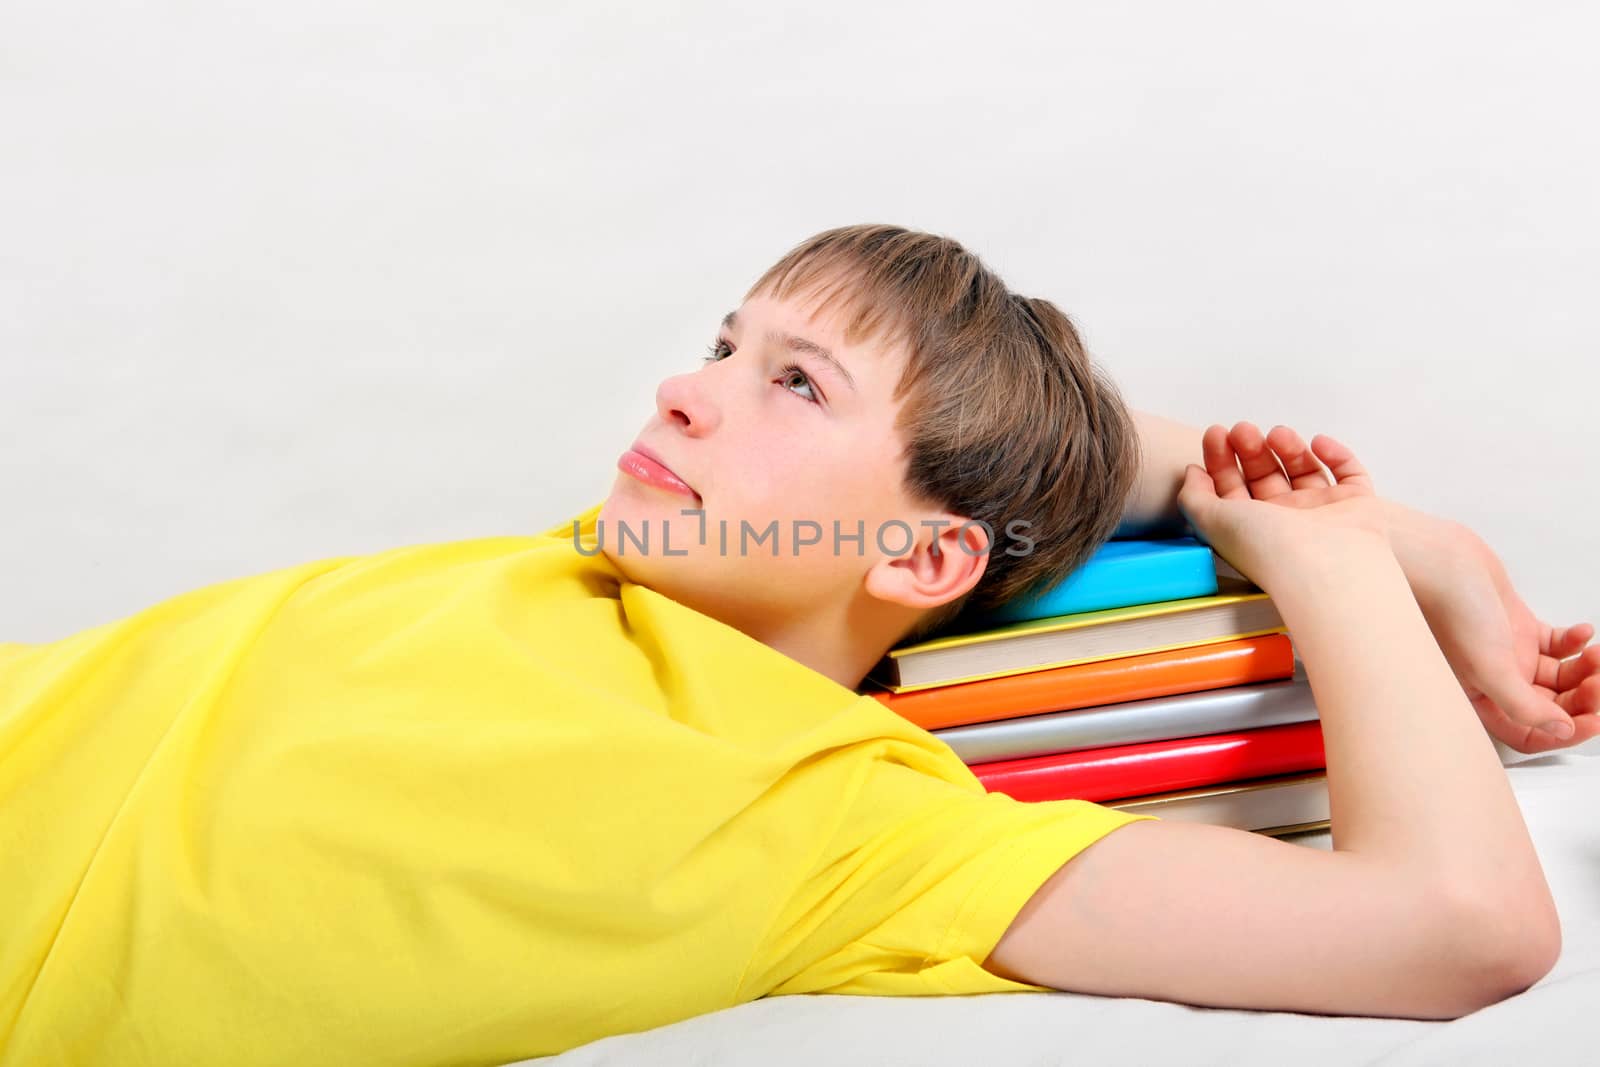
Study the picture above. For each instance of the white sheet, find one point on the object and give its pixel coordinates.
(1550, 1023)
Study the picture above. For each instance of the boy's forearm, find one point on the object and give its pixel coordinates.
(1428, 548)
(1167, 446)
(1415, 783)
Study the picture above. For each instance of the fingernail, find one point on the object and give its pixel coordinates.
(1559, 727)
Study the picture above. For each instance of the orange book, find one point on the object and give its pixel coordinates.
(1111, 681)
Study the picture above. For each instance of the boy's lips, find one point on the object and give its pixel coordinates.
(643, 463)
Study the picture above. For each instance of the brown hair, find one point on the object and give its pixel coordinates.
(1005, 416)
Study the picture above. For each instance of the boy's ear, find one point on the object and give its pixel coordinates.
(940, 567)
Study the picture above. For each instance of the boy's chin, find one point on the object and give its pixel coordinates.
(654, 567)
(675, 579)
(642, 507)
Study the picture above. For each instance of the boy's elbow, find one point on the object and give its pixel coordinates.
(1507, 958)
(1529, 957)
(1506, 976)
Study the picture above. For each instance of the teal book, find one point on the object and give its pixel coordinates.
(1120, 574)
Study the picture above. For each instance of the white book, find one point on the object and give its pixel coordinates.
(1287, 803)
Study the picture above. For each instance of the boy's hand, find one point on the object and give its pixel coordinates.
(1513, 667)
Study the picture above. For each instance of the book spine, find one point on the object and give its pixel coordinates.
(1164, 572)
(1248, 707)
(1282, 805)
(1265, 658)
(1160, 766)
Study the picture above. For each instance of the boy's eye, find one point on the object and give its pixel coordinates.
(721, 350)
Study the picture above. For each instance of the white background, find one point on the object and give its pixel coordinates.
(280, 282)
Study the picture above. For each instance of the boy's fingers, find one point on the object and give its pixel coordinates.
(1194, 498)
(1347, 470)
(1220, 463)
(1582, 700)
(1551, 671)
(1570, 641)
(1570, 673)
(1261, 471)
(1303, 468)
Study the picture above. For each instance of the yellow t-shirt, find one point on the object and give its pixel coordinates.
(469, 802)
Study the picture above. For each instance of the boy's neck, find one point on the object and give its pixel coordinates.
(842, 644)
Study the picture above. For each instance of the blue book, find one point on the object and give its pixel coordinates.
(1120, 574)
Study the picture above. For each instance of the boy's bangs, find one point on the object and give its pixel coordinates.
(868, 304)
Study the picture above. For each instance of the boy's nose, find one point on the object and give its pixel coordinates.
(682, 402)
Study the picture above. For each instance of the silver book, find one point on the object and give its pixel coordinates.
(1213, 711)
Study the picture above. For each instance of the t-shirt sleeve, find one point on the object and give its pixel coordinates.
(918, 884)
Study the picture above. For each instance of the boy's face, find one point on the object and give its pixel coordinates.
(760, 444)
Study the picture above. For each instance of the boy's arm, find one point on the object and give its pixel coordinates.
(1489, 636)
(1152, 508)
(1431, 905)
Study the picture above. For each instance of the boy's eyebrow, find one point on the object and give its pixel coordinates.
(798, 344)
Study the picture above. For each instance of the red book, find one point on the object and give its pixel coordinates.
(1122, 771)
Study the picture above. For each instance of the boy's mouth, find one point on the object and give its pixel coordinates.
(644, 464)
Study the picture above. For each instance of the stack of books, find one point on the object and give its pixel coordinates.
(1155, 679)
